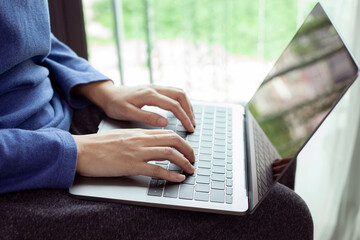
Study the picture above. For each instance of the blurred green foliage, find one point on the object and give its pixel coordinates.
(232, 23)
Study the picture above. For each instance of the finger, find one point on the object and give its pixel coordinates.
(279, 169)
(147, 117)
(172, 140)
(152, 170)
(169, 104)
(167, 153)
(180, 96)
(278, 162)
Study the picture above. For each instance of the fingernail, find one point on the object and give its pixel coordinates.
(192, 169)
(180, 177)
(162, 122)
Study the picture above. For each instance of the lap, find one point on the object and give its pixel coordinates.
(39, 214)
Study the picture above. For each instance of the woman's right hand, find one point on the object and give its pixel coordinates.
(126, 152)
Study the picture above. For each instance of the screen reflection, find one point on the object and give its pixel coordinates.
(305, 83)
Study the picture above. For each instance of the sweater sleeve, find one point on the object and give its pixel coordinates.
(44, 158)
(68, 70)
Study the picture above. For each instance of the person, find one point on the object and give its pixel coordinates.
(52, 101)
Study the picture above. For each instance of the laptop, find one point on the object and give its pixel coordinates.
(236, 144)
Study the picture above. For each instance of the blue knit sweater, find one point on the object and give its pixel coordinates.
(37, 73)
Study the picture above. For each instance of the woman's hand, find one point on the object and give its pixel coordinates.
(126, 152)
(279, 165)
(125, 103)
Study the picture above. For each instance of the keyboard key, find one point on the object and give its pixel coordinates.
(171, 190)
(180, 128)
(229, 182)
(229, 160)
(205, 150)
(208, 127)
(157, 192)
(194, 144)
(193, 138)
(207, 138)
(153, 183)
(229, 167)
(186, 191)
(218, 169)
(205, 157)
(229, 191)
(228, 199)
(174, 167)
(203, 179)
(204, 164)
(221, 109)
(219, 142)
(218, 177)
(208, 109)
(220, 136)
(161, 183)
(229, 174)
(201, 196)
(206, 144)
(218, 148)
(217, 185)
(217, 196)
(202, 187)
(204, 171)
(189, 180)
(166, 162)
(219, 162)
(219, 155)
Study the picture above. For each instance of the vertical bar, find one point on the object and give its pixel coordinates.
(119, 32)
(149, 36)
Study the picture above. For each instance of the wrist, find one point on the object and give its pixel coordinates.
(96, 92)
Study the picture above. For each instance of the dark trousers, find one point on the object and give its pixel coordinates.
(54, 214)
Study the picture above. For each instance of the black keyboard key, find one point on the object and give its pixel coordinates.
(171, 190)
(201, 196)
(217, 196)
(186, 191)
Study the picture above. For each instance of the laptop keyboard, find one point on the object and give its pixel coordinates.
(265, 155)
(212, 143)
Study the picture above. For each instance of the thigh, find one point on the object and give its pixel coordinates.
(43, 214)
(86, 121)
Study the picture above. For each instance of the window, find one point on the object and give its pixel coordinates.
(211, 48)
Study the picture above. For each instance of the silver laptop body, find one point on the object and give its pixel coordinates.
(305, 84)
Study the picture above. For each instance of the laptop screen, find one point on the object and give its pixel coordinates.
(305, 83)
